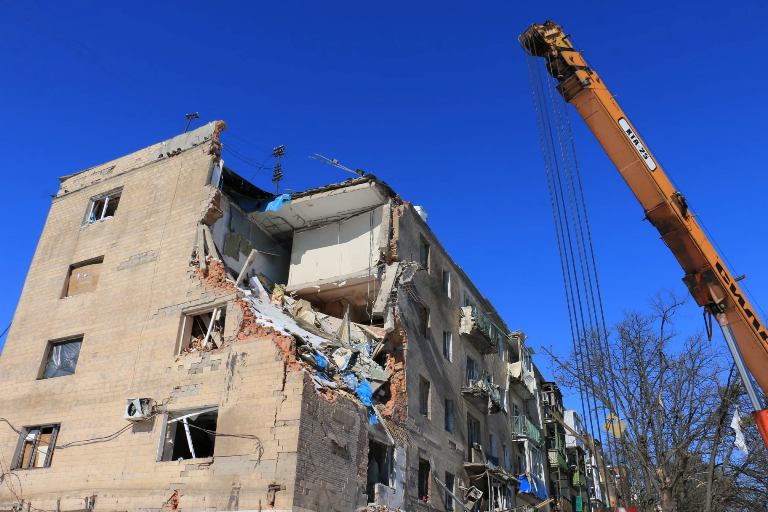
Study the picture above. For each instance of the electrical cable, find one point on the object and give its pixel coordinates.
(5, 331)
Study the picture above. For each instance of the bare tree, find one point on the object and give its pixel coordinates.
(674, 397)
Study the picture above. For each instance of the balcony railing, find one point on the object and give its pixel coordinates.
(483, 393)
(479, 329)
(522, 378)
(557, 459)
(522, 427)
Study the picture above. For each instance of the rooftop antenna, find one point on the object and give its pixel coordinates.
(337, 164)
(190, 117)
(277, 173)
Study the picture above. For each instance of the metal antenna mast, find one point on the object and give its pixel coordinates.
(190, 117)
(277, 173)
(337, 164)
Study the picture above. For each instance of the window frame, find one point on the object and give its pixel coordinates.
(446, 282)
(106, 196)
(425, 254)
(73, 267)
(180, 415)
(185, 326)
(49, 351)
(449, 489)
(448, 345)
(19, 455)
(449, 416)
(425, 401)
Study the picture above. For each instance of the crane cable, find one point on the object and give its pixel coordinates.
(580, 280)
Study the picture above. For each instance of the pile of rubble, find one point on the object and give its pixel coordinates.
(340, 356)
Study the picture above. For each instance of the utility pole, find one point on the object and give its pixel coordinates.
(277, 173)
(190, 117)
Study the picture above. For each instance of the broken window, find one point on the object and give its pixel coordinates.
(424, 389)
(447, 283)
(449, 485)
(190, 434)
(103, 206)
(424, 251)
(83, 277)
(448, 345)
(379, 467)
(450, 416)
(424, 473)
(471, 371)
(61, 357)
(36, 447)
(200, 331)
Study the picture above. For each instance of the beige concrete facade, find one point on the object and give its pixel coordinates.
(343, 287)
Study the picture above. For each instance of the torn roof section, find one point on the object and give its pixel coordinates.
(281, 215)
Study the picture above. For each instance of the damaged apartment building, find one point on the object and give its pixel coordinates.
(187, 340)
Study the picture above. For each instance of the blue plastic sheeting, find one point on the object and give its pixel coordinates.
(350, 380)
(364, 391)
(277, 203)
(372, 419)
(531, 485)
(320, 361)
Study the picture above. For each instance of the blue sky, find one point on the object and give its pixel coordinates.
(433, 97)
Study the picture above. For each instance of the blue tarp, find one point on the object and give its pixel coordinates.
(531, 485)
(320, 361)
(277, 203)
(364, 391)
(350, 380)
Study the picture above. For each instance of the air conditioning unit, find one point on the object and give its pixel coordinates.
(137, 409)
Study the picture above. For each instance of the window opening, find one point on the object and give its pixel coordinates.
(190, 434)
(424, 473)
(36, 446)
(104, 206)
(473, 431)
(203, 330)
(449, 484)
(448, 345)
(447, 283)
(450, 416)
(424, 251)
(426, 322)
(424, 389)
(61, 358)
(379, 467)
(492, 454)
(471, 371)
(83, 277)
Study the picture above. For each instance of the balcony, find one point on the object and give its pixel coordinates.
(523, 428)
(557, 459)
(578, 479)
(522, 379)
(483, 394)
(479, 329)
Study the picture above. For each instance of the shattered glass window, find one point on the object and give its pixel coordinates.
(103, 206)
(62, 358)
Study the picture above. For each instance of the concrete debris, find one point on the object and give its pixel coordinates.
(336, 352)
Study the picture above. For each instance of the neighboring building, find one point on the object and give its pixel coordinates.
(185, 339)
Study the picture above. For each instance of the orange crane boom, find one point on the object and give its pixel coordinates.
(707, 277)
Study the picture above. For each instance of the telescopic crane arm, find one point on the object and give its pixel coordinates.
(710, 282)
